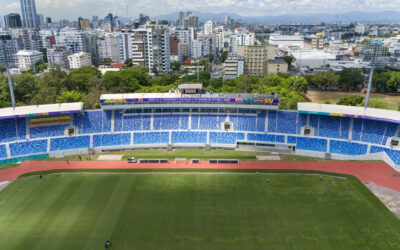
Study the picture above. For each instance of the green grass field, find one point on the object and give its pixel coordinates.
(189, 154)
(193, 211)
(393, 101)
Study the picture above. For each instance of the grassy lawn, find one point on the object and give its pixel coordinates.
(194, 211)
(11, 165)
(333, 97)
(189, 154)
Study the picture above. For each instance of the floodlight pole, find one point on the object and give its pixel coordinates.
(10, 83)
(371, 74)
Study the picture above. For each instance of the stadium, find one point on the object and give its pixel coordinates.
(315, 205)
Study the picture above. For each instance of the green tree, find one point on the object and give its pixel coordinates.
(71, 96)
(393, 84)
(106, 61)
(44, 53)
(129, 63)
(289, 60)
(353, 100)
(95, 91)
(349, 79)
(2, 69)
(245, 83)
(79, 78)
(324, 80)
(25, 88)
(380, 79)
(154, 70)
(112, 81)
(215, 85)
(50, 85)
(5, 99)
(224, 56)
(176, 65)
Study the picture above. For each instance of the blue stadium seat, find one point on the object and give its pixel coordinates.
(292, 139)
(261, 121)
(357, 128)
(272, 121)
(243, 122)
(225, 137)
(344, 128)
(150, 138)
(111, 139)
(390, 131)
(302, 122)
(28, 147)
(96, 121)
(171, 122)
(329, 126)
(287, 121)
(3, 151)
(8, 132)
(21, 128)
(47, 131)
(373, 131)
(348, 148)
(117, 121)
(266, 137)
(313, 144)
(207, 122)
(135, 123)
(188, 137)
(66, 143)
(314, 123)
(392, 153)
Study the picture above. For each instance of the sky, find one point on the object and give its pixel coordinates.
(72, 9)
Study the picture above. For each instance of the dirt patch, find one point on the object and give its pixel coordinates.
(389, 197)
(268, 158)
(110, 157)
(4, 184)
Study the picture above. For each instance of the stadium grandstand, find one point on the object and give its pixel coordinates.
(191, 119)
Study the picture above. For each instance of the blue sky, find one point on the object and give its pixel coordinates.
(71, 9)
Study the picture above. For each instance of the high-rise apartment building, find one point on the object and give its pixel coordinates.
(78, 60)
(58, 56)
(29, 15)
(233, 67)
(8, 48)
(76, 40)
(12, 20)
(84, 24)
(181, 17)
(209, 27)
(28, 58)
(314, 42)
(256, 57)
(158, 44)
(191, 21)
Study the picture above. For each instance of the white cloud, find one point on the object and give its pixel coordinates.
(72, 9)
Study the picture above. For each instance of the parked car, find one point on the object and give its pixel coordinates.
(131, 160)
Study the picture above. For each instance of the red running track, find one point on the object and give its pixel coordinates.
(378, 173)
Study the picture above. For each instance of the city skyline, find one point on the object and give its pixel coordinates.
(130, 8)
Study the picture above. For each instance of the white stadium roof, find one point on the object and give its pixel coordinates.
(139, 95)
(349, 111)
(41, 110)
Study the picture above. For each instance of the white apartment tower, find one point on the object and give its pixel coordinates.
(79, 59)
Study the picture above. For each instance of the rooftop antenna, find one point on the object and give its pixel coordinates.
(372, 50)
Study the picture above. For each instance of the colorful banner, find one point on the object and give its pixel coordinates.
(190, 99)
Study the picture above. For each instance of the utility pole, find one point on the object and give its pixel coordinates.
(375, 45)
